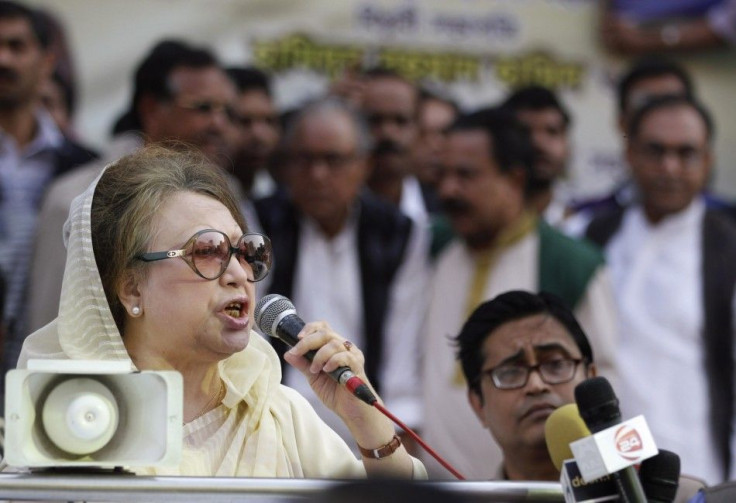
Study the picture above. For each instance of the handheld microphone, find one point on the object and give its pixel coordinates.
(563, 426)
(599, 409)
(660, 476)
(276, 317)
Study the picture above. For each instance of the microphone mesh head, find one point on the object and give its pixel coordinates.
(597, 403)
(268, 309)
(563, 426)
(660, 476)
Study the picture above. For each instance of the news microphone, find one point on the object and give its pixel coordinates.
(598, 406)
(660, 476)
(562, 427)
(275, 316)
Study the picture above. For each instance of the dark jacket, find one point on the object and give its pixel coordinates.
(383, 233)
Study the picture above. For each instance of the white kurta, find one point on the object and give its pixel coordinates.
(450, 426)
(657, 277)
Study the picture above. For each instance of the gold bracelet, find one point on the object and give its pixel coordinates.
(383, 451)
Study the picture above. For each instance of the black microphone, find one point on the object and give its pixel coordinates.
(276, 316)
(598, 406)
(660, 476)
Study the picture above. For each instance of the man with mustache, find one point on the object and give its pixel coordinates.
(522, 355)
(390, 104)
(671, 258)
(33, 151)
(500, 245)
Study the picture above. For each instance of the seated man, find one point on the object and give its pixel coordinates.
(522, 355)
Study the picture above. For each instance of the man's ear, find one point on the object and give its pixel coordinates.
(129, 292)
(476, 403)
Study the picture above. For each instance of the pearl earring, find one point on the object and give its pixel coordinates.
(136, 311)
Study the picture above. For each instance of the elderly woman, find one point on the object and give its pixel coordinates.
(160, 273)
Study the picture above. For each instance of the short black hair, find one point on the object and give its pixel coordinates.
(39, 26)
(510, 306)
(249, 78)
(536, 98)
(152, 76)
(670, 101)
(650, 67)
(510, 143)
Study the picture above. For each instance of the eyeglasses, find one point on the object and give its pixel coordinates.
(210, 107)
(208, 253)
(513, 376)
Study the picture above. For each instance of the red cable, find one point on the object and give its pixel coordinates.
(418, 439)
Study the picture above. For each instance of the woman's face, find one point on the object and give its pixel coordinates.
(183, 315)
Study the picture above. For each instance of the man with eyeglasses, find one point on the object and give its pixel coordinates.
(671, 260)
(346, 256)
(522, 355)
(181, 96)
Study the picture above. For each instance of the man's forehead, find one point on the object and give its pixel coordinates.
(547, 115)
(538, 333)
(14, 28)
(680, 115)
(201, 80)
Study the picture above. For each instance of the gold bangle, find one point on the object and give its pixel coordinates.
(383, 451)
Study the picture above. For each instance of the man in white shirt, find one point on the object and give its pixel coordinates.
(346, 256)
(671, 260)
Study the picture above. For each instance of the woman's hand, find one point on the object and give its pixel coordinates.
(332, 351)
(369, 427)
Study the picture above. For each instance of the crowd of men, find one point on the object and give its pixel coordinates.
(426, 233)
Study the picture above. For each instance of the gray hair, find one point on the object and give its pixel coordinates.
(364, 142)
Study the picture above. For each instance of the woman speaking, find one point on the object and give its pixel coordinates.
(160, 273)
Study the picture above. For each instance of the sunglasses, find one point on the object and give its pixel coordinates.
(208, 253)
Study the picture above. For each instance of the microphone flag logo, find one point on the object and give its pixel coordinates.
(628, 443)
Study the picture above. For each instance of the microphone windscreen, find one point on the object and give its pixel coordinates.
(268, 310)
(597, 403)
(563, 426)
(660, 476)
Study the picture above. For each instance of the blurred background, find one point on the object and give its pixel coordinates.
(473, 50)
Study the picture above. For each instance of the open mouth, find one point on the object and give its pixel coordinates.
(234, 309)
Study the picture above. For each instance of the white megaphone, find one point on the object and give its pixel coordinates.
(89, 413)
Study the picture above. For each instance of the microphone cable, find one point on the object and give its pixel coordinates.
(276, 316)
